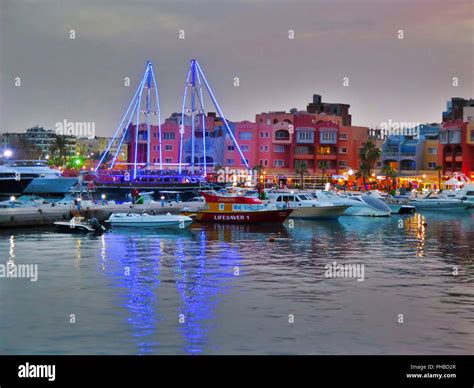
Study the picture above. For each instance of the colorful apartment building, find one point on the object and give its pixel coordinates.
(456, 147)
(285, 143)
(94, 147)
(413, 154)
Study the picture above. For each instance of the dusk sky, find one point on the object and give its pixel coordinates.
(82, 79)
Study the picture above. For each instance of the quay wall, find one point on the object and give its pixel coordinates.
(43, 215)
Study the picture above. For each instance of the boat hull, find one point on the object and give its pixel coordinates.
(245, 217)
(366, 211)
(152, 224)
(437, 205)
(401, 209)
(318, 212)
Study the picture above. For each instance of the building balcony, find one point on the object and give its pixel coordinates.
(331, 156)
(304, 156)
(327, 171)
(281, 140)
(304, 141)
(390, 154)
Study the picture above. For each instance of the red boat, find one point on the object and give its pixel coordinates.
(239, 210)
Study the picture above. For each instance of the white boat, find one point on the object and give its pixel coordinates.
(437, 202)
(305, 206)
(78, 224)
(359, 204)
(397, 205)
(149, 220)
(33, 177)
(465, 193)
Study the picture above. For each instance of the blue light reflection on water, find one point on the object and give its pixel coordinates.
(191, 272)
(198, 283)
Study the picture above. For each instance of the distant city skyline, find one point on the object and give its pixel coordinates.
(282, 53)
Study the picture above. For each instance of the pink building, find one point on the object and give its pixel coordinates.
(281, 142)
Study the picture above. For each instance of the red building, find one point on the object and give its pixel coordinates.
(456, 147)
(284, 142)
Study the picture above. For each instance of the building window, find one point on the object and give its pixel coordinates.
(168, 160)
(230, 162)
(305, 136)
(343, 150)
(432, 165)
(230, 148)
(263, 148)
(244, 148)
(245, 135)
(343, 136)
(432, 151)
(168, 148)
(342, 163)
(324, 150)
(282, 134)
(279, 148)
(168, 135)
(279, 163)
(264, 135)
(265, 162)
(328, 137)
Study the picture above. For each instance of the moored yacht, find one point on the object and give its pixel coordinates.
(239, 210)
(465, 193)
(33, 177)
(149, 220)
(397, 205)
(360, 204)
(433, 201)
(306, 206)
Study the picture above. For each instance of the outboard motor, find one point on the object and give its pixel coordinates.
(95, 223)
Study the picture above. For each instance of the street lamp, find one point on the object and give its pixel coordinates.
(7, 153)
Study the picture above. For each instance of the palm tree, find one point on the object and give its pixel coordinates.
(369, 154)
(440, 170)
(323, 165)
(58, 148)
(390, 173)
(302, 170)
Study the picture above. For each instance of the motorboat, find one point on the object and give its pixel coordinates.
(79, 224)
(305, 206)
(359, 204)
(239, 209)
(465, 193)
(33, 177)
(136, 220)
(23, 201)
(433, 201)
(397, 205)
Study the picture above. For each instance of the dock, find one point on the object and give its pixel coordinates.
(44, 215)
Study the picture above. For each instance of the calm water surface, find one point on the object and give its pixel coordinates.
(229, 290)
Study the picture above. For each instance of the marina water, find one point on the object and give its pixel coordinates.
(231, 289)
